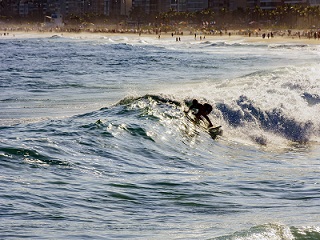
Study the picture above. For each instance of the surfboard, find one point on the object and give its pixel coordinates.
(214, 132)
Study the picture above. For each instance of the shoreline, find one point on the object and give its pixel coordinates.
(234, 36)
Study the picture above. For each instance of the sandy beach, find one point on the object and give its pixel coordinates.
(235, 35)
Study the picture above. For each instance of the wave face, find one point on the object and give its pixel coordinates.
(94, 141)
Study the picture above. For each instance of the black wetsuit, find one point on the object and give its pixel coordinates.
(201, 111)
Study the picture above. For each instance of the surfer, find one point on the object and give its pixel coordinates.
(201, 110)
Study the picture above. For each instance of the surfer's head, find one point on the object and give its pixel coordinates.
(194, 102)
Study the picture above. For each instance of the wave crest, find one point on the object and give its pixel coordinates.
(274, 120)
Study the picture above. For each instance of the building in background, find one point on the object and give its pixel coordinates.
(178, 5)
(253, 3)
(157, 6)
(197, 5)
(294, 2)
(217, 5)
(238, 4)
(270, 4)
(314, 2)
(121, 8)
(126, 6)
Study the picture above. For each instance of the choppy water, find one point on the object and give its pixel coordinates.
(94, 143)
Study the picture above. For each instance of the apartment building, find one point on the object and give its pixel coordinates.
(123, 7)
(314, 2)
(196, 5)
(177, 5)
(270, 4)
(217, 5)
(237, 4)
(294, 2)
(253, 3)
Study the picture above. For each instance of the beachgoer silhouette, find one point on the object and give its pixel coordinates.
(201, 110)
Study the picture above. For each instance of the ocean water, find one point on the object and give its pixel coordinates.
(94, 143)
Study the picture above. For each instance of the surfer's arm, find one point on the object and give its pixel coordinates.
(193, 109)
(188, 110)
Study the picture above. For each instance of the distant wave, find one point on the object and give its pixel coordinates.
(232, 44)
(225, 44)
(123, 46)
(55, 36)
(293, 46)
(288, 46)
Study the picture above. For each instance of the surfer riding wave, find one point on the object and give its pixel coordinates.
(200, 111)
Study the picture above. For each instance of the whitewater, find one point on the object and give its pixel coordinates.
(95, 144)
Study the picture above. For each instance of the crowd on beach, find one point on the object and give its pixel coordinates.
(265, 34)
(4, 34)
